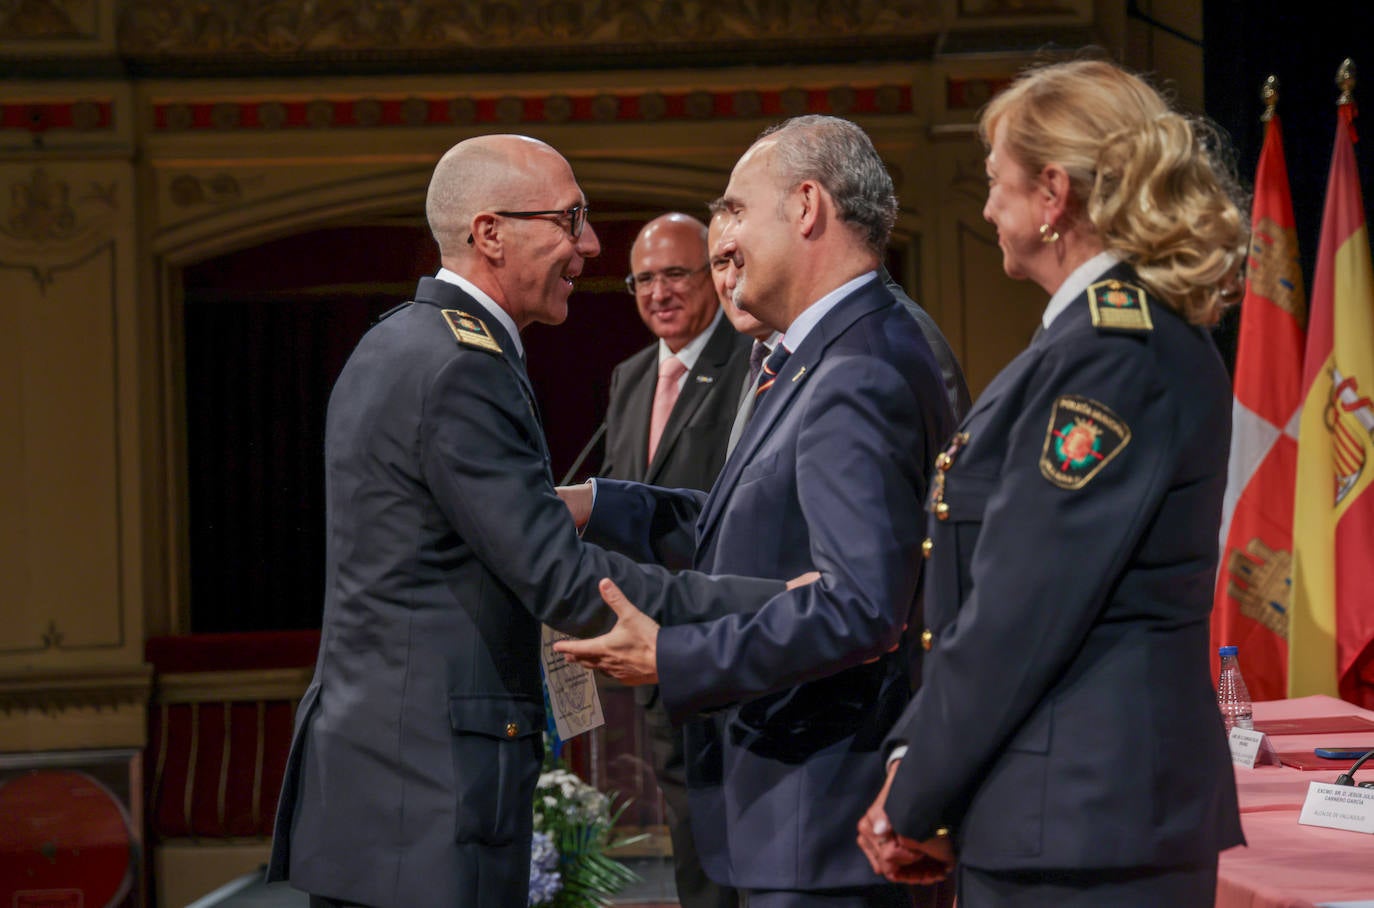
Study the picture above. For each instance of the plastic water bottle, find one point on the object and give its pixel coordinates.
(1233, 697)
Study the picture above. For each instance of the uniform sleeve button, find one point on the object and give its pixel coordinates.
(512, 729)
(927, 639)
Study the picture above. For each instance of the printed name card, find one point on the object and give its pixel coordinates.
(572, 690)
(1250, 748)
(1338, 807)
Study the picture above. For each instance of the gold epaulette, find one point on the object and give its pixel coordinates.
(1119, 306)
(470, 330)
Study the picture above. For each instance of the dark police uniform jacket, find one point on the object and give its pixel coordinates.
(1066, 717)
(418, 743)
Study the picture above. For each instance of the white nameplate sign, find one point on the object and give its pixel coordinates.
(1249, 748)
(1338, 807)
(572, 689)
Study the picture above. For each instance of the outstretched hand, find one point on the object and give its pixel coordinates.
(628, 652)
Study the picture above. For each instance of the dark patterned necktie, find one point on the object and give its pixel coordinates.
(771, 367)
(757, 355)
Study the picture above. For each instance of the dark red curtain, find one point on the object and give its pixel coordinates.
(267, 331)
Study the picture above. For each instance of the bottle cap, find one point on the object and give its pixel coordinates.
(1227, 651)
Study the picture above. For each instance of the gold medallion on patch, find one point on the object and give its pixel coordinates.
(470, 330)
(1082, 438)
(1118, 306)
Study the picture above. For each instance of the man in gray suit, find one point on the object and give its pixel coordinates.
(418, 743)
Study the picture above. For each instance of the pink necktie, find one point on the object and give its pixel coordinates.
(665, 395)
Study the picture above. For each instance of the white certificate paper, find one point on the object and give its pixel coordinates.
(572, 690)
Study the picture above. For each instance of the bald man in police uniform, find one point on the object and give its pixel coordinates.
(411, 775)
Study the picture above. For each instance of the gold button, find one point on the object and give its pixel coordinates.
(942, 511)
(942, 832)
(927, 639)
(926, 547)
(944, 461)
(512, 729)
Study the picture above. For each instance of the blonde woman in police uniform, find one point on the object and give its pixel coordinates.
(1065, 743)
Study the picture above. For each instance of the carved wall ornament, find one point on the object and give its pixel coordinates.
(151, 28)
(222, 189)
(46, 20)
(50, 693)
(41, 210)
(51, 223)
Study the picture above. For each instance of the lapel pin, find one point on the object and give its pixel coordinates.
(705, 379)
(800, 372)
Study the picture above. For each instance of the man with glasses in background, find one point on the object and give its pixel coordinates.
(671, 408)
(418, 742)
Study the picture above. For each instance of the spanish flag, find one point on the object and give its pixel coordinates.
(1331, 633)
(1252, 592)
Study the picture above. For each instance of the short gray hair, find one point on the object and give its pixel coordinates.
(839, 156)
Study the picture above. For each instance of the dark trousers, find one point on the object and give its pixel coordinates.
(694, 888)
(1129, 887)
(940, 895)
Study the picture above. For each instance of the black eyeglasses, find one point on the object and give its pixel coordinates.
(576, 215)
(673, 279)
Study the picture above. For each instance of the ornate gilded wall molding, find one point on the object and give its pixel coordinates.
(57, 691)
(152, 28)
(48, 20)
(247, 114)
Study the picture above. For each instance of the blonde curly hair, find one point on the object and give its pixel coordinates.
(1150, 181)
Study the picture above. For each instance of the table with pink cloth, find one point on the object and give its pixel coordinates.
(1285, 864)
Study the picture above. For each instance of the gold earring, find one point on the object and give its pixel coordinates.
(1048, 234)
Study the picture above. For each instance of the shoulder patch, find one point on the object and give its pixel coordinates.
(470, 330)
(1118, 306)
(1082, 438)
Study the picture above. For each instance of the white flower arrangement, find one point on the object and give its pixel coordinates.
(569, 867)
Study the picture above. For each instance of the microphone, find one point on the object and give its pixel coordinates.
(590, 446)
(1348, 778)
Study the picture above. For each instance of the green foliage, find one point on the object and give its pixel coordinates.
(579, 819)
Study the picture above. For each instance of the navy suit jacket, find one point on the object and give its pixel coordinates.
(417, 745)
(829, 475)
(1067, 717)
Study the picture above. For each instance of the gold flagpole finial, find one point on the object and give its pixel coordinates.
(1269, 94)
(1345, 81)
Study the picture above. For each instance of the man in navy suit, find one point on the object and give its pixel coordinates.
(829, 475)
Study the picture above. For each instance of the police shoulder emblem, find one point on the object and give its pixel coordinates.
(470, 330)
(1082, 438)
(1119, 306)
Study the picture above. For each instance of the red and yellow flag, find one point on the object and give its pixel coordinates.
(1252, 593)
(1331, 632)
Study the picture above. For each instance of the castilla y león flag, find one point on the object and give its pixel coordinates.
(1252, 593)
(1331, 640)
